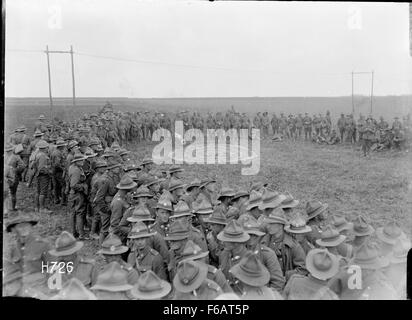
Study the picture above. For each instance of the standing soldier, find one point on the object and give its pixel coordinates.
(396, 126)
(368, 137)
(41, 170)
(283, 125)
(77, 195)
(307, 125)
(41, 124)
(275, 124)
(257, 121)
(58, 162)
(299, 126)
(265, 125)
(341, 126)
(361, 128)
(14, 167)
(100, 168)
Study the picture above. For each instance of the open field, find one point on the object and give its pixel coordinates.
(379, 188)
(26, 110)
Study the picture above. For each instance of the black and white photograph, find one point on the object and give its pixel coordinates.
(206, 150)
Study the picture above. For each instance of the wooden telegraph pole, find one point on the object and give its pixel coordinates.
(353, 104)
(71, 52)
(50, 92)
(372, 93)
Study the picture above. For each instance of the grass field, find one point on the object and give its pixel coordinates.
(378, 188)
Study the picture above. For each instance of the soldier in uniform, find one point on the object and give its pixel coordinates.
(100, 168)
(112, 250)
(362, 231)
(341, 126)
(397, 126)
(73, 265)
(77, 195)
(217, 222)
(191, 282)
(252, 279)
(322, 266)
(163, 211)
(41, 169)
(275, 124)
(334, 242)
(307, 125)
(265, 255)
(316, 213)
(193, 252)
(265, 125)
(14, 168)
(290, 254)
(41, 124)
(142, 257)
(368, 137)
(151, 287)
(58, 158)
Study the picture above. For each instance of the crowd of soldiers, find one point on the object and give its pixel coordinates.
(162, 237)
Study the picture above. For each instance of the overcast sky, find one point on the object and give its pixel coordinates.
(203, 49)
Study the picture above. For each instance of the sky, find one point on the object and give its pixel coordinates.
(162, 49)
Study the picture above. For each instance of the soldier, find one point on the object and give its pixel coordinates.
(112, 283)
(58, 159)
(142, 257)
(341, 126)
(41, 124)
(225, 198)
(183, 214)
(265, 125)
(396, 126)
(289, 252)
(100, 167)
(388, 236)
(252, 208)
(275, 124)
(239, 201)
(299, 126)
(193, 252)
(368, 137)
(291, 127)
(177, 189)
(234, 240)
(265, 255)
(208, 191)
(14, 167)
(112, 250)
(322, 266)
(77, 195)
(298, 230)
(41, 169)
(217, 222)
(334, 243)
(361, 127)
(191, 282)
(65, 253)
(163, 211)
(150, 287)
(316, 213)
(362, 232)
(333, 138)
(252, 279)
(119, 204)
(307, 125)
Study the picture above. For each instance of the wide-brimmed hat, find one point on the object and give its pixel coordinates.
(180, 210)
(150, 286)
(90, 153)
(41, 117)
(195, 183)
(165, 204)
(322, 264)
(20, 217)
(108, 153)
(72, 144)
(189, 276)
(142, 191)
(233, 232)
(205, 207)
(112, 166)
(78, 157)
(166, 195)
(175, 168)
(153, 180)
(400, 251)
(361, 227)
(206, 181)
(112, 278)
(100, 164)
(226, 192)
(126, 183)
(177, 231)
(240, 193)
(131, 166)
(340, 223)
(298, 225)
(255, 199)
(176, 184)
(289, 202)
(112, 245)
(74, 289)
(258, 185)
(251, 271)
(367, 257)
(330, 237)
(140, 213)
(66, 245)
(42, 144)
(390, 233)
(251, 226)
(140, 230)
(277, 215)
(61, 143)
(314, 208)
(192, 251)
(146, 161)
(271, 199)
(38, 133)
(123, 152)
(217, 217)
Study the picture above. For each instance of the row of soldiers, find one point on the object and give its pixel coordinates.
(163, 237)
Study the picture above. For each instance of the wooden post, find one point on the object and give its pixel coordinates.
(50, 92)
(74, 90)
(372, 93)
(353, 105)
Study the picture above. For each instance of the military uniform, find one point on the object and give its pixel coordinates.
(13, 173)
(117, 207)
(41, 170)
(148, 259)
(208, 290)
(217, 276)
(57, 158)
(270, 261)
(197, 237)
(77, 198)
(260, 293)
